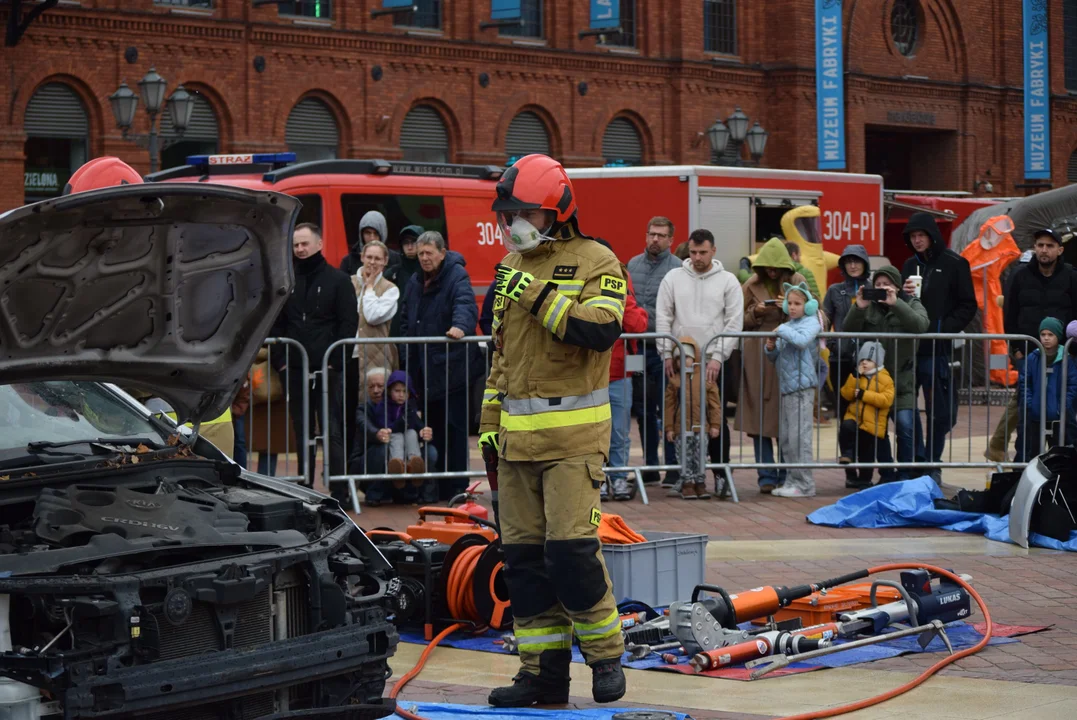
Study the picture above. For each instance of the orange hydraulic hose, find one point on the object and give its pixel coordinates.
(460, 592)
(829, 712)
(410, 674)
(919, 680)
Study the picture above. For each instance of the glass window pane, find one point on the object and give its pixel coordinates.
(627, 36)
(427, 211)
(307, 8)
(311, 212)
(427, 16)
(720, 26)
(531, 18)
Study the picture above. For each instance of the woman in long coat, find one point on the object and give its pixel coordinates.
(759, 403)
(379, 300)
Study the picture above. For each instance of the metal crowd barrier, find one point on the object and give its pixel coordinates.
(365, 346)
(963, 347)
(268, 459)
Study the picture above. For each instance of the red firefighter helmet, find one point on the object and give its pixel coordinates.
(536, 181)
(100, 173)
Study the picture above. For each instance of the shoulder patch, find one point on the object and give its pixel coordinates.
(564, 272)
(614, 284)
(596, 517)
(500, 302)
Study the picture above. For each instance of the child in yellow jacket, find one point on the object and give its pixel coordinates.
(862, 438)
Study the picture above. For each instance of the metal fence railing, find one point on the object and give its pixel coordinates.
(277, 422)
(919, 443)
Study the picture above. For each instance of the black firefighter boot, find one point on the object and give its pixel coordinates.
(607, 680)
(527, 689)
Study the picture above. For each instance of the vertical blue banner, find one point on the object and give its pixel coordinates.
(1037, 91)
(829, 86)
(605, 13)
(505, 9)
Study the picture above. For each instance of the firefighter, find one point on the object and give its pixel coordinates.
(546, 413)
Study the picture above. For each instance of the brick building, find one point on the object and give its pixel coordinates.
(933, 88)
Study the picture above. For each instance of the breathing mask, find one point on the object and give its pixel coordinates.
(520, 236)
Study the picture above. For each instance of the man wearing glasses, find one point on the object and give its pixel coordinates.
(648, 270)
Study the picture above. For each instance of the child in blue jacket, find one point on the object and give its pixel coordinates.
(1060, 404)
(796, 353)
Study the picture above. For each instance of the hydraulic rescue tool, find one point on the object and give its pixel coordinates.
(761, 645)
(927, 633)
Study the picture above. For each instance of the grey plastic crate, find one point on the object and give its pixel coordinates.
(657, 572)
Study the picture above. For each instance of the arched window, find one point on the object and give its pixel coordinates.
(621, 144)
(423, 136)
(311, 131)
(527, 134)
(200, 137)
(57, 135)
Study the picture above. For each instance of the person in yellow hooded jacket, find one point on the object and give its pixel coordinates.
(546, 422)
(870, 394)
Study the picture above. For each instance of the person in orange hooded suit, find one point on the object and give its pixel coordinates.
(992, 253)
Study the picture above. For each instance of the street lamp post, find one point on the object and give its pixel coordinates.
(151, 87)
(735, 128)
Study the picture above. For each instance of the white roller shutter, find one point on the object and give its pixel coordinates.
(730, 219)
(55, 111)
(622, 143)
(423, 136)
(311, 131)
(527, 134)
(202, 127)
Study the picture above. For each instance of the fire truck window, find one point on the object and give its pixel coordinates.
(311, 212)
(426, 211)
(768, 223)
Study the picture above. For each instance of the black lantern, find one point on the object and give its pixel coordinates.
(180, 107)
(124, 102)
(152, 88)
(757, 141)
(718, 135)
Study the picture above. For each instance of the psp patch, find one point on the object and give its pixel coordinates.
(596, 517)
(613, 284)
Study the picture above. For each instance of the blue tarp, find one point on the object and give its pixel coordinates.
(449, 711)
(911, 504)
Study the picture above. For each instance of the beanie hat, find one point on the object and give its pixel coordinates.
(1054, 326)
(1071, 329)
(872, 351)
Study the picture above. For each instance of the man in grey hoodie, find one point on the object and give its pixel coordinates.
(371, 227)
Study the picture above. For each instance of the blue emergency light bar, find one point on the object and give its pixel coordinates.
(242, 159)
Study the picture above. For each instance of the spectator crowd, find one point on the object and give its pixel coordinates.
(401, 407)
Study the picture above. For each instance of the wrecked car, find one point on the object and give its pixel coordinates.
(142, 573)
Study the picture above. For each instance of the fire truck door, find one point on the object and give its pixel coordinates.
(730, 219)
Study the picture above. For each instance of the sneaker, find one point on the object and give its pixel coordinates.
(672, 479)
(607, 681)
(767, 487)
(622, 490)
(416, 466)
(396, 467)
(604, 493)
(845, 460)
(527, 690)
(688, 492)
(788, 491)
(701, 491)
(721, 487)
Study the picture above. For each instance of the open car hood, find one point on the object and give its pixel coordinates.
(167, 287)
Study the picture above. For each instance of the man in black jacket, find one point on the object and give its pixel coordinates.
(321, 310)
(947, 294)
(1044, 287)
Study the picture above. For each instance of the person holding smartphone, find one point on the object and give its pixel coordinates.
(759, 403)
(885, 308)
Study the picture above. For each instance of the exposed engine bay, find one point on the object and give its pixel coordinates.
(179, 583)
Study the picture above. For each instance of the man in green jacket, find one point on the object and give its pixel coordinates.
(898, 313)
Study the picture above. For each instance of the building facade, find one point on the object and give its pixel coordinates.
(933, 88)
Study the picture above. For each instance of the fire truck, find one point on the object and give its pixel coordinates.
(743, 207)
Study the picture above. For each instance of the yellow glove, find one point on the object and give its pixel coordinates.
(490, 440)
(511, 282)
